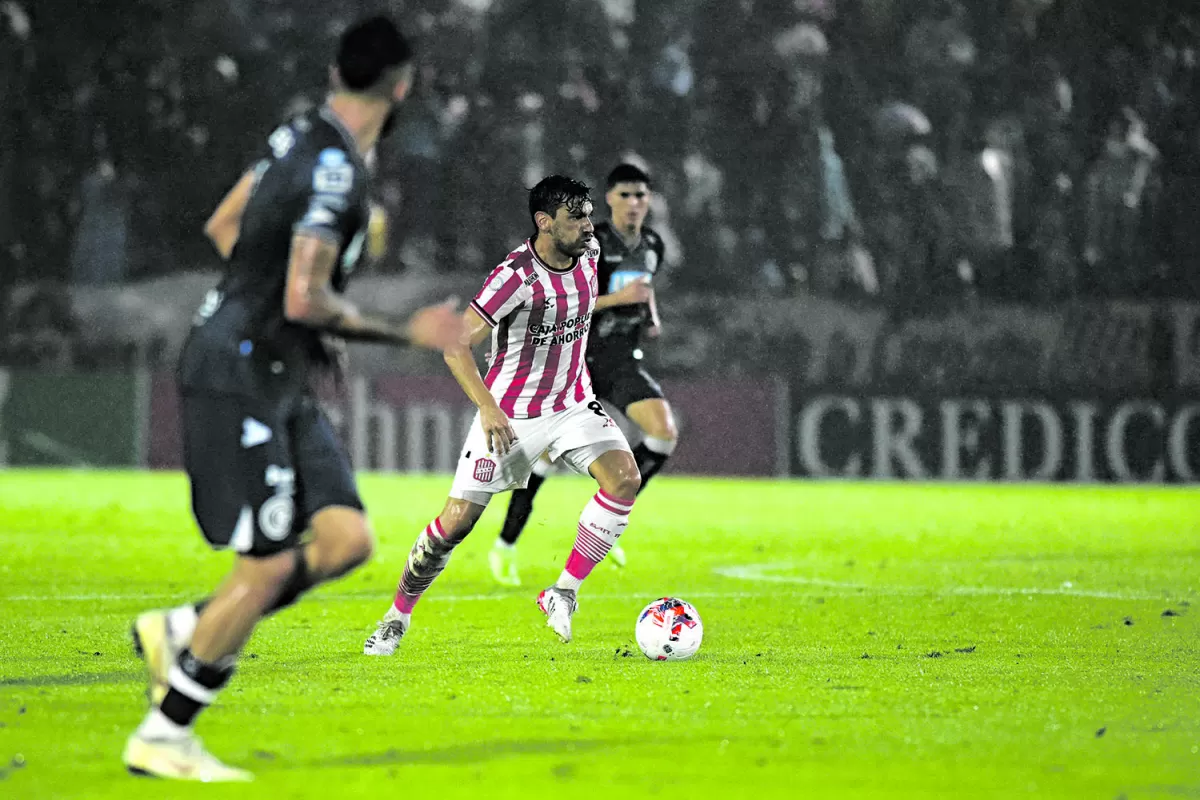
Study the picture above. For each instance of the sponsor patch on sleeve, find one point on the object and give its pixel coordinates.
(334, 174)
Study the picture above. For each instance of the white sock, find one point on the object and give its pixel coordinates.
(568, 581)
(664, 447)
(181, 622)
(394, 613)
(503, 545)
(158, 726)
(602, 522)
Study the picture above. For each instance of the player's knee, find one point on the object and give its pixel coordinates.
(667, 424)
(659, 423)
(343, 540)
(359, 545)
(625, 480)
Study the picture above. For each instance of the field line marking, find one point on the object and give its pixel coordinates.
(761, 573)
(753, 573)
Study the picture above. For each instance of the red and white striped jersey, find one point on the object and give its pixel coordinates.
(540, 320)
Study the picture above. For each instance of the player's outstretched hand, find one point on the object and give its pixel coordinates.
(437, 327)
(497, 428)
(633, 293)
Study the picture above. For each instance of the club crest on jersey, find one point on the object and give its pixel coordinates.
(334, 173)
(485, 470)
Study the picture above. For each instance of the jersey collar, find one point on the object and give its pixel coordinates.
(538, 261)
(620, 239)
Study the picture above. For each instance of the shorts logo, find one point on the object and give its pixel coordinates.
(275, 516)
(485, 470)
(254, 433)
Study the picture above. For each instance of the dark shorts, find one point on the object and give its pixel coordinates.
(260, 470)
(622, 382)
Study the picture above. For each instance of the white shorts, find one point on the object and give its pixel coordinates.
(578, 435)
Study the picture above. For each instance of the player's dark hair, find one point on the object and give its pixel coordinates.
(626, 173)
(368, 49)
(556, 191)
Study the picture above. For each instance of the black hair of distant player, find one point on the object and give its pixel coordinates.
(368, 51)
(626, 173)
(554, 192)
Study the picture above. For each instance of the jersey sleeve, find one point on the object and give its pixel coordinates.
(604, 272)
(660, 250)
(329, 184)
(502, 292)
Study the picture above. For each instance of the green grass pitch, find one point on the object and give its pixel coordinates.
(862, 640)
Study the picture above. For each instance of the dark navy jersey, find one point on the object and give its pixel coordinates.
(617, 331)
(309, 179)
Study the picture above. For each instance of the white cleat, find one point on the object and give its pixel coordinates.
(558, 605)
(503, 561)
(387, 635)
(183, 759)
(154, 644)
(617, 555)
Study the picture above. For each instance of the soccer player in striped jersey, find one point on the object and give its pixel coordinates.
(536, 307)
(631, 254)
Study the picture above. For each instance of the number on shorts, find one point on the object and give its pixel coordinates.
(599, 409)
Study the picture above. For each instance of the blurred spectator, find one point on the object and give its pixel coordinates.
(912, 237)
(701, 217)
(990, 185)
(1120, 193)
(940, 53)
(100, 254)
(1054, 250)
(843, 259)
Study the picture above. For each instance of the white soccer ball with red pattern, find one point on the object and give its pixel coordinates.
(669, 630)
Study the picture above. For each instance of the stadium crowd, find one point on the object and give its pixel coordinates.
(879, 151)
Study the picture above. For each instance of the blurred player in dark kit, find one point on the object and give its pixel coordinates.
(264, 462)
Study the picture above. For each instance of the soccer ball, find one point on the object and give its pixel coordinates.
(669, 630)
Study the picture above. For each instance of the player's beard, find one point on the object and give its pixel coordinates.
(575, 249)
